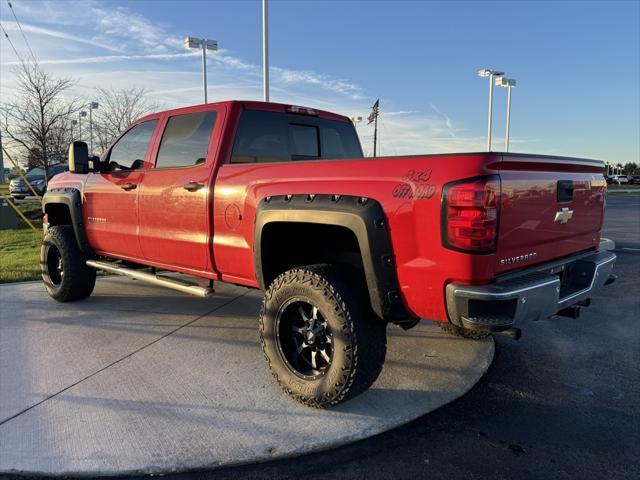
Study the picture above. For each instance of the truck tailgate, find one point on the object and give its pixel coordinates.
(551, 207)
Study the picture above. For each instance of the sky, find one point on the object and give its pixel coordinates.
(576, 63)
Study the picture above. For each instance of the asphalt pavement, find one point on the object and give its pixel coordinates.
(561, 403)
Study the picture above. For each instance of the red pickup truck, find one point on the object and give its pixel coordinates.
(280, 198)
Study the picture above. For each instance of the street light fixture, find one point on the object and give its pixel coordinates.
(485, 72)
(507, 83)
(92, 106)
(204, 44)
(80, 116)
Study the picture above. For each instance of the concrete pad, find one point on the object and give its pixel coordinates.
(87, 389)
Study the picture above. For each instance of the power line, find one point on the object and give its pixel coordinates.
(11, 43)
(22, 32)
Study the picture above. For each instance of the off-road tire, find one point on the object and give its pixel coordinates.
(359, 339)
(462, 332)
(77, 280)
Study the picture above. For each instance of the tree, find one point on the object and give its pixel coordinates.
(36, 120)
(630, 168)
(118, 109)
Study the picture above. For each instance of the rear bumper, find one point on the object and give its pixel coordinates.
(532, 296)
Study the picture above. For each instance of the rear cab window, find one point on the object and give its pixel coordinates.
(264, 136)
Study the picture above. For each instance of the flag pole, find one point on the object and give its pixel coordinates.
(375, 137)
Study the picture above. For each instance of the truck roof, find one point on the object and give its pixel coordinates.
(252, 105)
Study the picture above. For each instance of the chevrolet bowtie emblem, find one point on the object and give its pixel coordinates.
(563, 216)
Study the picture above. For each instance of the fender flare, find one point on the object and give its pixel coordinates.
(72, 199)
(362, 216)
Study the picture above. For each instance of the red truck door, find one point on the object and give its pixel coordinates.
(175, 222)
(110, 206)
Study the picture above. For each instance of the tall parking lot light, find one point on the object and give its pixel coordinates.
(204, 44)
(265, 51)
(92, 106)
(485, 72)
(80, 116)
(507, 83)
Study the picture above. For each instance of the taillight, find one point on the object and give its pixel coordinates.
(470, 213)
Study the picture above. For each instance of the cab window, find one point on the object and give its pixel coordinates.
(130, 151)
(264, 137)
(186, 140)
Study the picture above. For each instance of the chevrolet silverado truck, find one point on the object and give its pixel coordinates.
(280, 198)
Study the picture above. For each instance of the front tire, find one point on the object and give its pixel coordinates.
(321, 343)
(64, 271)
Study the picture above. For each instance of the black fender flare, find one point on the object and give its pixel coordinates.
(362, 216)
(72, 199)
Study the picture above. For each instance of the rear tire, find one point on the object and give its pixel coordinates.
(321, 309)
(462, 332)
(65, 274)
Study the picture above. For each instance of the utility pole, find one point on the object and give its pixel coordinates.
(92, 106)
(2, 180)
(507, 83)
(80, 115)
(204, 44)
(265, 51)
(485, 72)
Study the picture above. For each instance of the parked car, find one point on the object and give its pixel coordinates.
(280, 198)
(19, 189)
(634, 179)
(619, 179)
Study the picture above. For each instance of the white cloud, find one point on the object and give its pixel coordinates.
(145, 50)
(12, 27)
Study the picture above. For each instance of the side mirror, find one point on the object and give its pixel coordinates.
(78, 157)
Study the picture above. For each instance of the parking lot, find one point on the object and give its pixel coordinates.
(563, 402)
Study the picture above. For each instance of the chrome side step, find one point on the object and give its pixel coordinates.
(172, 283)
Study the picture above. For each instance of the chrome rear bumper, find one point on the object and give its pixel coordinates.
(532, 296)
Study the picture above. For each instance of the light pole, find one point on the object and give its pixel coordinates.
(204, 44)
(92, 106)
(485, 72)
(80, 116)
(265, 51)
(507, 83)
(73, 124)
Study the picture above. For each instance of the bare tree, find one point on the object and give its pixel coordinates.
(118, 109)
(37, 119)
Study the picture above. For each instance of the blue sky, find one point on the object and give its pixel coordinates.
(577, 64)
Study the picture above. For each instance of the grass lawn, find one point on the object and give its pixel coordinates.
(614, 189)
(19, 255)
(20, 248)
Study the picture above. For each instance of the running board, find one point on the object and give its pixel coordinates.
(172, 283)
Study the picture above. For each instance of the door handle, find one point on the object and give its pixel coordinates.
(192, 186)
(129, 186)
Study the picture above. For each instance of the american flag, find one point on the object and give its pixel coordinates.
(375, 110)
